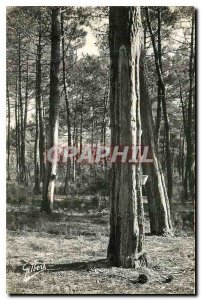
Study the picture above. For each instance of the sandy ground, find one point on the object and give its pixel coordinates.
(75, 244)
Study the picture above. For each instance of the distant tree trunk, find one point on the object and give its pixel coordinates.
(25, 119)
(126, 233)
(39, 138)
(81, 133)
(36, 154)
(17, 141)
(48, 189)
(74, 138)
(92, 124)
(189, 180)
(163, 101)
(22, 144)
(158, 116)
(81, 122)
(26, 99)
(8, 132)
(182, 136)
(40, 109)
(181, 158)
(67, 104)
(159, 209)
(103, 129)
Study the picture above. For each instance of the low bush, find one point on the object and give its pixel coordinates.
(17, 194)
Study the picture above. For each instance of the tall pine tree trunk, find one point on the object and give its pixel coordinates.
(164, 107)
(158, 116)
(159, 210)
(25, 120)
(81, 122)
(21, 131)
(8, 133)
(49, 186)
(67, 104)
(103, 130)
(17, 141)
(74, 139)
(36, 153)
(126, 209)
(40, 109)
(189, 169)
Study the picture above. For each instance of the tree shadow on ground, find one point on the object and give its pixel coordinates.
(76, 266)
(58, 223)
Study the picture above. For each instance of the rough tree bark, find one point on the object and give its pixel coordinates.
(159, 209)
(126, 232)
(48, 189)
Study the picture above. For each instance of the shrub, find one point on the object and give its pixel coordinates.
(17, 194)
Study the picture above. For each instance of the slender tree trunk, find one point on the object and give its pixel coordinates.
(74, 139)
(26, 99)
(81, 123)
(159, 210)
(81, 132)
(17, 144)
(8, 132)
(36, 155)
(40, 109)
(48, 189)
(163, 101)
(183, 137)
(189, 171)
(103, 129)
(92, 124)
(22, 150)
(39, 138)
(126, 235)
(25, 120)
(103, 134)
(67, 104)
(158, 116)
(183, 158)
(179, 163)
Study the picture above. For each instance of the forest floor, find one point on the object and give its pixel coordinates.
(74, 246)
